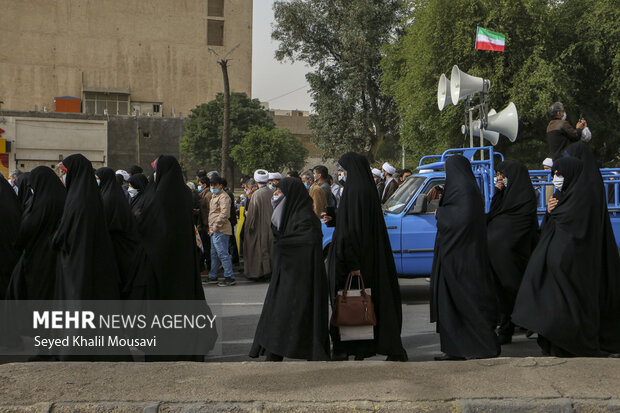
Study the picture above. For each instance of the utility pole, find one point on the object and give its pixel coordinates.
(226, 166)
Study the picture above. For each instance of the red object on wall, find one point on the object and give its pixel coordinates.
(68, 104)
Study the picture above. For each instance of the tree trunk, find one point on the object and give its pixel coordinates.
(372, 152)
(226, 168)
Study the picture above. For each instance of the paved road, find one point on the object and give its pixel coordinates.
(239, 308)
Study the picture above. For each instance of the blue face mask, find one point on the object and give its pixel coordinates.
(199, 188)
(272, 187)
(306, 185)
(215, 191)
(382, 175)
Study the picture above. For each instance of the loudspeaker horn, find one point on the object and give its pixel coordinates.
(491, 136)
(443, 92)
(505, 122)
(463, 85)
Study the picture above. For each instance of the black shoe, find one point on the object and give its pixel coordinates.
(227, 282)
(614, 355)
(358, 358)
(212, 281)
(401, 357)
(448, 357)
(339, 357)
(504, 339)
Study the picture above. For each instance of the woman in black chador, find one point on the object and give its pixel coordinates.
(294, 320)
(512, 232)
(166, 226)
(463, 298)
(134, 268)
(35, 274)
(360, 244)
(139, 183)
(10, 216)
(86, 265)
(609, 333)
(560, 296)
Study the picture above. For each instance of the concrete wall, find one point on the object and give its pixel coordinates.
(157, 49)
(139, 141)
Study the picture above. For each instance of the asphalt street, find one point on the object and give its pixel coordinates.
(238, 307)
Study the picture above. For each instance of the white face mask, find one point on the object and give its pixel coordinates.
(564, 116)
(275, 200)
(558, 182)
(132, 192)
(98, 182)
(506, 182)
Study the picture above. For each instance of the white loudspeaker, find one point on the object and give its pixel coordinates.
(443, 92)
(505, 122)
(492, 137)
(463, 85)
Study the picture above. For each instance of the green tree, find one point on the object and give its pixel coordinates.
(202, 140)
(547, 59)
(271, 149)
(342, 40)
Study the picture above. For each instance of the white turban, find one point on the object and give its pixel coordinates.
(376, 172)
(123, 173)
(389, 168)
(275, 175)
(261, 176)
(548, 162)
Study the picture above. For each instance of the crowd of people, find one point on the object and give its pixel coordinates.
(105, 234)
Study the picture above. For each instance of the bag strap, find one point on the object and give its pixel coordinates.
(349, 281)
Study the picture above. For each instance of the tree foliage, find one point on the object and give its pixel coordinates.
(342, 41)
(564, 51)
(202, 140)
(271, 149)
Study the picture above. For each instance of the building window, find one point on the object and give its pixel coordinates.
(100, 103)
(156, 108)
(215, 8)
(215, 32)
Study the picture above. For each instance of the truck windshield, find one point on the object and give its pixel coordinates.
(403, 194)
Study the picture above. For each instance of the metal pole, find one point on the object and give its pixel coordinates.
(471, 130)
(404, 156)
(481, 143)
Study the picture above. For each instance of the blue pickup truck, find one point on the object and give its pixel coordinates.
(409, 213)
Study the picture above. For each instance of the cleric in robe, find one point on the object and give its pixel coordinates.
(86, 263)
(512, 231)
(35, 274)
(559, 296)
(258, 237)
(361, 245)
(294, 320)
(463, 298)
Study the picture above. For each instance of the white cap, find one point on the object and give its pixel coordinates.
(375, 172)
(261, 176)
(389, 168)
(123, 173)
(275, 175)
(548, 162)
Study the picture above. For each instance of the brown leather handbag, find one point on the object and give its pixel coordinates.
(353, 310)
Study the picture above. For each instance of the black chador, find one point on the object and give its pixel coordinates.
(294, 320)
(87, 267)
(134, 268)
(138, 181)
(34, 275)
(10, 216)
(559, 295)
(166, 226)
(24, 195)
(360, 242)
(512, 232)
(463, 299)
(609, 334)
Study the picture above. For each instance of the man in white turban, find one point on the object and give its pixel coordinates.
(376, 175)
(390, 183)
(274, 178)
(258, 238)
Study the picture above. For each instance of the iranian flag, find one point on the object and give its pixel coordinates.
(488, 40)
